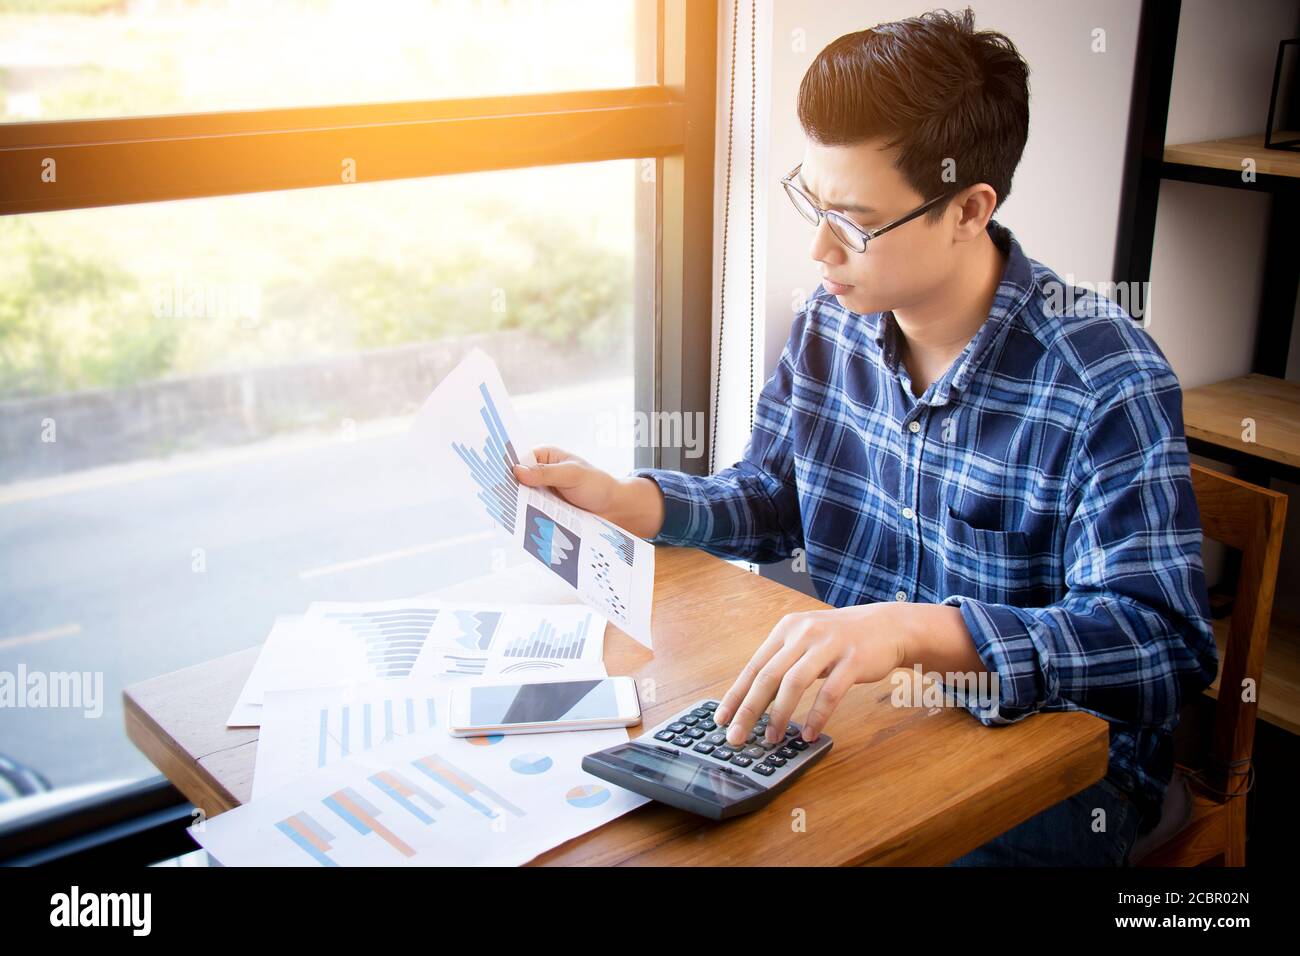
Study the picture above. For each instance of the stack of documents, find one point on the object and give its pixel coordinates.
(354, 762)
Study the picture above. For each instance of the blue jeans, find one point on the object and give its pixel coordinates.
(1064, 835)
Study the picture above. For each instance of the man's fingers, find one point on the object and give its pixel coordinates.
(549, 454)
(798, 678)
(732, 698)
(564, 474)
(761, 692)
(828, 698)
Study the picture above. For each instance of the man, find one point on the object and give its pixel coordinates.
(985, 469)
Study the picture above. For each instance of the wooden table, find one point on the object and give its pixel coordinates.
(1215, 414)
(900, 785)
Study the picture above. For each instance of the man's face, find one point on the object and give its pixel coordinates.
(900, 268)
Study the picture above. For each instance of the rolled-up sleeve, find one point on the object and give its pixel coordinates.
(749, 510)
(1131, 638)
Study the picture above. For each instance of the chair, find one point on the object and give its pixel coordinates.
(1203, 819)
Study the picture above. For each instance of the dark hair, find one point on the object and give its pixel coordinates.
(932, 86)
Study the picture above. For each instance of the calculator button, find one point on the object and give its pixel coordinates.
(724, 753)
(791, 730)
(774, 760)
(695, 733)
(718, 739)
(688, 719)
(665, 735)
(704, 748)
(684, 741)
(789, 753)
(700, 712)
(708, 725)
(710, 705)
(765, 769)
(798, 743)
(740, 760)
(676, 728)
(758, 753)
(763, 720)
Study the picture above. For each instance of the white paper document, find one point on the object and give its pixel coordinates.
(312, 727)
(306, 729)
(427, 799)
(338, 644)
(469, 433)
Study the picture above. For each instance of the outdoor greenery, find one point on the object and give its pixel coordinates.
(72, 321)
(335, 269)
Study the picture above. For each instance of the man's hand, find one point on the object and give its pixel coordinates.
(845, 646)
(572, 478)
(635, 504)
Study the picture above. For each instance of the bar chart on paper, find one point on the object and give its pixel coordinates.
(470, 435)
(461, 785)
(309, 728)
(375, 823)
(546, 647)
(427, 799)
(623, 545)
(345, 729)
(490, 465)
(404, 793)
(305, 832)
(393, 639)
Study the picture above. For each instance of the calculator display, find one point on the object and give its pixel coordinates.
(686, 774)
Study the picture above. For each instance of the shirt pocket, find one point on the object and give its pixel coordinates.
(987, 564)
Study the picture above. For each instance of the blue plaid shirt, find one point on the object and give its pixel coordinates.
(1041, 485)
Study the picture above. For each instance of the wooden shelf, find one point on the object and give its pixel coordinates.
(1279, 690)
(1213, 414)
(1227, 154)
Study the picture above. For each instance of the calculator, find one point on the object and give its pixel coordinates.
(687, 763)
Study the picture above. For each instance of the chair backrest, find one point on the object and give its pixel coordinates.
(1251, 520)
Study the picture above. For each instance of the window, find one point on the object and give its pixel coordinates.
(215, 322)
(76, 59)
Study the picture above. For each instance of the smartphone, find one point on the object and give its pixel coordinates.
(541, 706)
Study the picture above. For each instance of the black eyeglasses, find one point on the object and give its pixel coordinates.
(842, 227)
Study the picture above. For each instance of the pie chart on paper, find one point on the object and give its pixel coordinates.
(586, 796)
(531, 763)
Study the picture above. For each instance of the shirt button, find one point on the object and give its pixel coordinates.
(900, 596)
(909, 514)
(914, 426)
